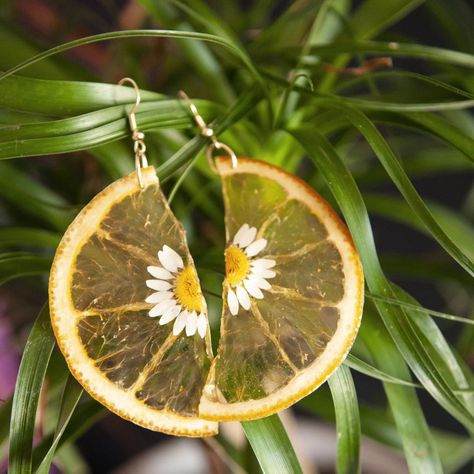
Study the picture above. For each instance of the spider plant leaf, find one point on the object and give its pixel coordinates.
(65, 98)
(272, 446)
(347, 421)
(69, 400)
(28, 236)
(404, 332)
(27, 393)
(16, 266)
(372, 17)
(191, 35)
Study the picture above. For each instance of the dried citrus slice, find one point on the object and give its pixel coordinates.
(293, 293)
(127, 309)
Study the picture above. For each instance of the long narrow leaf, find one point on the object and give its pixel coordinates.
(363, 367)
(63, 98)
(71, 395)
(374, 16)
(271, 445)
(16, 266)
(24, 236)
(347, 421)
(394, 169)
(34, 198)
(83, 417)
(137, 34)
(403, 331)
(351, 203)
(27, 393)
(92, 129)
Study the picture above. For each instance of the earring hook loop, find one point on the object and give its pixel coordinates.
(208, 132)
(138, 137)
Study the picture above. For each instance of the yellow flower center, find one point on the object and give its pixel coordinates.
(187, 290)
(237, 265)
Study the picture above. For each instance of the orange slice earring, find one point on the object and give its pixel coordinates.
(126, 305)
(292, 293)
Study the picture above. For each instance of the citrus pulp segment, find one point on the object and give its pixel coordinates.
(292, 298)
(103, 309)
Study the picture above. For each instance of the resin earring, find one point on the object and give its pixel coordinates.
(292, 293)
(126, 304)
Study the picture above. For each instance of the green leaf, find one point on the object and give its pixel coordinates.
(402, 329)
(246, 102)
(420, 309)
(391, 74)
(19, 48)
(347, 421)
(456, 18)
(64, 98)
(197, 53)
(5, 414)
(373, 16)
(413, 428)
(377, 105)
(25, 236)
(202, 14)
(71, 395)
(271, 445)
(363, 367)
(289, 28)
(83, 417)
(397, 209)
(432, 124)
(93, 129)
(393, 48)
(138, 34)
(438, 350)
(33, 198)
(21, 265)
(395, 170)
(27, 393)
(421, 453)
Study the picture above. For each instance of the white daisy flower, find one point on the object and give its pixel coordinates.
(177, 294)
(246, 276)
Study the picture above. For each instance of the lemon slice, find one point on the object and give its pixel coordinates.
(293, 294)
(127, 309)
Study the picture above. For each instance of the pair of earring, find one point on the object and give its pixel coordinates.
(131, 320)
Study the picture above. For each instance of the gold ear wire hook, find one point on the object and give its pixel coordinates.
(209, 133)
(138, 137)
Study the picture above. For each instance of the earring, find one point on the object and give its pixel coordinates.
(126, 304)
(292, 293)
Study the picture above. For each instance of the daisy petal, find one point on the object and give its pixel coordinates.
(262, 283)
(153, 313)
(239, 234)
(255, 247)
(248, 237)
(263, 273)
(159, 273)
(170, 314)
(180, 323)
(170, 259)
(263, 263)
(243, 297)
(191, 324)
(253, 289)
(159, 297)
(160, 308)
(158, 285)
(202, 325)
(232, 301)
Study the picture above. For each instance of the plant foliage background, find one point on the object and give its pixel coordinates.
(293, 83)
